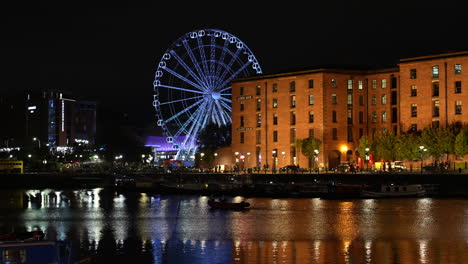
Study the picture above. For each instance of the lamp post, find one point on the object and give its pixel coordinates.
(274, 160)
(237, 160)
(316, 152)
(38, 140)
(283, 153)
(367, 159)
(422, 149)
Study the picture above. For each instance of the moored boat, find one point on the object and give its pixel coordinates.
(228, 205)
(394, 191)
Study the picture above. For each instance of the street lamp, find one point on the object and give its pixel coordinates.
(367, 158)
(422, 149)
(283, 153)
(38, 140)
(274, 160)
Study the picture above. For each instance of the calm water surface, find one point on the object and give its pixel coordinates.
(151, 228)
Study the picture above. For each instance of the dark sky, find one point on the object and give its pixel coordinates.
(110, 52)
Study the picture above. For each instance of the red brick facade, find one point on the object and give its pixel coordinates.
(346, 105)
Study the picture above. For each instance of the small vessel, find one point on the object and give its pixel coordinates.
(31, 247)
(394, 191)
(222, 204)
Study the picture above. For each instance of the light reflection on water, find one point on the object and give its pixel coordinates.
(149, 228)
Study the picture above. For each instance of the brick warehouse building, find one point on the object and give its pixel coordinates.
(338, 106)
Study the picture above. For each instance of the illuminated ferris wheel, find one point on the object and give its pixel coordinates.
(191, 85)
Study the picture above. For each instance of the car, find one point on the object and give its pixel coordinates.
(398, 166)
(342, 167)
(290, 168)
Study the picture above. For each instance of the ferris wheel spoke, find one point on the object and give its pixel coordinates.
(228, 107)
(194, 127)
(234, 75)
(184, 79)
(221, 58)
(181, 100)
(226, 99)
(229, 65)
(183, 111)
(189, 121)
(180, 89)
(224, 89)
(187, 68)
(203, 57)
(195, 62)
(220, 112)
(212, 54)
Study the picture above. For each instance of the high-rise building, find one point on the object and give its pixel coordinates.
(340, 106)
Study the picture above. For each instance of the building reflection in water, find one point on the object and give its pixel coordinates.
(144, 228)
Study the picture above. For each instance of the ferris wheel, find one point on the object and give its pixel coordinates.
(191, 86)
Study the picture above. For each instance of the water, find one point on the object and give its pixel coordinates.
(150, 228)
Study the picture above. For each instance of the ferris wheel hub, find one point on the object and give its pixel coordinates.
(216, 95)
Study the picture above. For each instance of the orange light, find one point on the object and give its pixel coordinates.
(344, 148)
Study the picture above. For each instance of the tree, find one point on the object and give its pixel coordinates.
(408, 146)
(298, 146)
(461, 143)
(431, 139)
(385, 145)
(214, 136)
(309, 145)
(363, 145)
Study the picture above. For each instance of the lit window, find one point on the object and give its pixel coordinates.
(414, 110)
(374, 116)
(293, 101)
(333, 83)
(258, 90)
(458, 69)
(435, 108)
(374, 84)
(384, 83)
(350, 84)
(413, 74)
(384, 116)
(414, 90)
(435, 71)
(374, 99)
(311, 116)
(275, 102)
(311, 99)
(384, 99)
(275, 119)
(275, 87)
(458, 107)
(334, 101)
(350, 99)
(360, 86)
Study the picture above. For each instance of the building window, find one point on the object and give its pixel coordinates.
(393, 82)
(384, 99)
(293, 118)
(458, 107)
(311, 84)
(413, 74)
(374, 84)
(414, 90)
(242, 137)
(242, 105)
(414, 127)
(361, 132)
(292, 86)
(293, 101)
(384, 116)
(293, 155)
(374, 116)
(435, 108)
(361, 117)
(241, 92)
(435, 71)
(414, 110)
(374, 99)
(384, 83)
(394, 98)
(334, 116)
(350, 116)
(350, 134)
(259, 120)
(458, 87)
(259, 105)
(361, 100)
(334, 101)
(275, 136)
(458, 69)
(350, 99)
(258, 136)
(275, 119)
(360, 85)
(311, 116)
(350, 84)
(311, 99)
(242, 121)
(435, 89)
(335, 133)
(258, 90)
(311, 132)
(275, 102)
(394, 115)
(435, 124)
(293, 135)
(333, 83)
(275, 87)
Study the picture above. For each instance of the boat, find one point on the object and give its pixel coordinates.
(222, 204)
(394, 191)
(31, 247)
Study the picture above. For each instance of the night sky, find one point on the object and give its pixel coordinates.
(109, 53)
